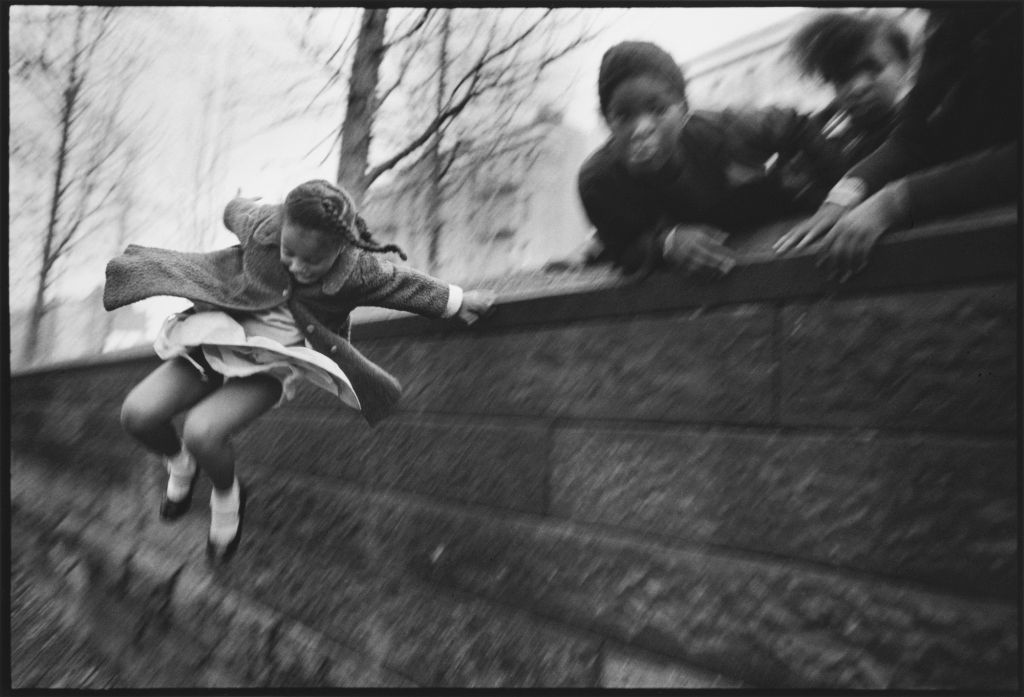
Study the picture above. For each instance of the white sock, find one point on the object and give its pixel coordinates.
(181, 468)
(224, 514)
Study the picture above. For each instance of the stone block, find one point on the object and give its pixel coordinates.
(489, 462)
(152, 574)
(112, 550)
(715, 366)
(623, 669)
(773, 624)
(304, 657)
(252, 631)
(195, 604)
(363, 596)
(938, 510)
(939, 360)
(102, 385)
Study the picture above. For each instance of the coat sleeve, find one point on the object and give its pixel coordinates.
(380, 283)
(965, 98)
(774, 129)
(979, 181)
(624, 215)
(243, 216)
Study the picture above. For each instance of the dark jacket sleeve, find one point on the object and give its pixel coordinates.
(966, 97)
(624, 215)
(805, 155)
(773, 129)
(979, 181)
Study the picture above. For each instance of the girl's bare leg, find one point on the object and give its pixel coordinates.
(210, 424)
(148, 409)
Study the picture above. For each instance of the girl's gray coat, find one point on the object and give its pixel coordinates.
(250, 276)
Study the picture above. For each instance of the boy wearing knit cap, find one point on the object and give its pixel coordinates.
(670, 182)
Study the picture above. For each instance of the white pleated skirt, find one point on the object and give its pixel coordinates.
(233, 353)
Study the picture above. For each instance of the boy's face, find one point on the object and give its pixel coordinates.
(643, 113)
(875, 83)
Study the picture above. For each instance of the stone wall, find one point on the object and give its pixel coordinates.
(770, 481)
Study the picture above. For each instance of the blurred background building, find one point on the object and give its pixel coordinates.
(514, 211)
(754, 70)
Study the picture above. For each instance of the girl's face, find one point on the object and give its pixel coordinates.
(642, 114)
(308, 253)
(877, 79)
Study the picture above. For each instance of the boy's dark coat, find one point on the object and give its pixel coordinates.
(728, 179)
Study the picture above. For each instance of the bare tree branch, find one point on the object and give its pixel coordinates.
(403, 69)
(448, 114)
(420, 21)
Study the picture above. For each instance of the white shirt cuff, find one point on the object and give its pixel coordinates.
(666, 246)
(848, 192)
(454, 301)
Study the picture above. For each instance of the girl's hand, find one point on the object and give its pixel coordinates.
(476, 304)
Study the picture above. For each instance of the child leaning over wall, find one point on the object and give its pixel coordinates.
(671, 183)
(954, 149)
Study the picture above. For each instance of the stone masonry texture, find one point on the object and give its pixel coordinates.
(928, 508)
(803, 493)
(936, 360)
(691, 366)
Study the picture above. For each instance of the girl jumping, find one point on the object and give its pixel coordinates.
(267, 313)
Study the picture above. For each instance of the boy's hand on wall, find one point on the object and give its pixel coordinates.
(698, 249)
(476, 304)
(845, 250)
(811, 229)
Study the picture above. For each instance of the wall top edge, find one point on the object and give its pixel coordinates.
(977, 248)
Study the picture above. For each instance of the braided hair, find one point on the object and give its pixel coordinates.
(325, 206)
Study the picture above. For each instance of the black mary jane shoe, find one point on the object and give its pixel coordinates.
(219, 554)
(172, 510)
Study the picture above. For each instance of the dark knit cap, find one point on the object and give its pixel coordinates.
(631, 58)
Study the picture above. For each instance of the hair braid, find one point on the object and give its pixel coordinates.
(367, 242)
(327, 206)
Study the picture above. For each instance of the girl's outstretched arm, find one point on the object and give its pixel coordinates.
(475, 305)
(380, 283)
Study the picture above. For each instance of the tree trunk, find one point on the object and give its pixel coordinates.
(362, 103)
(435, 194)
(67, 116)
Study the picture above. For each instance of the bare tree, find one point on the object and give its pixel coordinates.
(62, 59)
(502, 56)
(435, 198)
(213, 138)
(356, 130)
